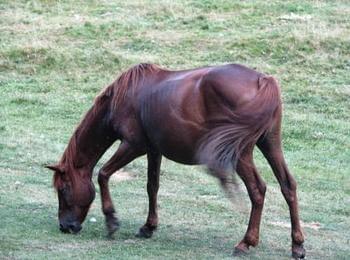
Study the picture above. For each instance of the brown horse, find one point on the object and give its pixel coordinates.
(212, 116)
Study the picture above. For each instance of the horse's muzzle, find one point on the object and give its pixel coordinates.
(73, 227)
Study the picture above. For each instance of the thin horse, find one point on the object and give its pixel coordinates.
(212, 116)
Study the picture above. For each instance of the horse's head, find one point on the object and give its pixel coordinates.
(75, 192)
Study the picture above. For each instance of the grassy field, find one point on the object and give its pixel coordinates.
(56, 56)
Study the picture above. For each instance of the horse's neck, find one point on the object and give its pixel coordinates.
(91, 139)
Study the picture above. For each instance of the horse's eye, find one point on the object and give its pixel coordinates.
(66, 195)
(64, 190)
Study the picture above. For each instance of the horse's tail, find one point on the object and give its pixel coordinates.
(227, 137)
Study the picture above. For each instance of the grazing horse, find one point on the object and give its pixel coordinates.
(212, 116)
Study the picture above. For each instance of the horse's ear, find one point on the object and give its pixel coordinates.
(55, 168)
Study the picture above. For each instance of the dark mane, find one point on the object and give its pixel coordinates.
(115, 93)
(128, 80)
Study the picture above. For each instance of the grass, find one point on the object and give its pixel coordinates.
(56, 56)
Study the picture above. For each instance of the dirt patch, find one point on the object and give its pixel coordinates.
(122, 175)
(295, 17)
(312, 225)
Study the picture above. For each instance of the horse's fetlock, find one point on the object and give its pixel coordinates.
(298, 237)
(252, 239)
(109, 212)
(152, 223)
(151, 226)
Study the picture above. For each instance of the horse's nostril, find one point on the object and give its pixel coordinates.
(75, 227)
(63, 228)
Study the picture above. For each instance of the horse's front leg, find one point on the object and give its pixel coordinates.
(123, 156)
(256, 189)
(154, 161)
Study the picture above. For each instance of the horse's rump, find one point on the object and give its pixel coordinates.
(229, 134)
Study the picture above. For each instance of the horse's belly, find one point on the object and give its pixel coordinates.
(173, 120)
(177, 142)
(178, 151)
(174, 134)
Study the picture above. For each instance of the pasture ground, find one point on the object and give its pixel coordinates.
(56, 56)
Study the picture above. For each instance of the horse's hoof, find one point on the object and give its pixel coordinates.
(238, 252)
(298, 252)
(113, 225)
(144, 232)
(240, 249)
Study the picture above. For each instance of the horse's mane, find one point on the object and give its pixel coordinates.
(115, 94)
(128, 80)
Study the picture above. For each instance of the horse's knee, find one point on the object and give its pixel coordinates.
(259, 200)
(258, 193)
(288, 195)
(288, 189)
(291, 183)
(262, 188)
(258, 197)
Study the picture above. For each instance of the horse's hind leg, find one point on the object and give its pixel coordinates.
(154, 161)
(271, 147)
(256, 189)
(123, 156)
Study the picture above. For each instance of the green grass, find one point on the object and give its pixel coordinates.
(56, 56)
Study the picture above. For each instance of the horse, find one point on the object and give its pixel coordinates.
(212, 116)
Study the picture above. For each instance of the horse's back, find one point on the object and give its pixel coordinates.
(236, 83)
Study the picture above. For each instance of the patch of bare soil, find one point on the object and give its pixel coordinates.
(122, 175)
(312, 225)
